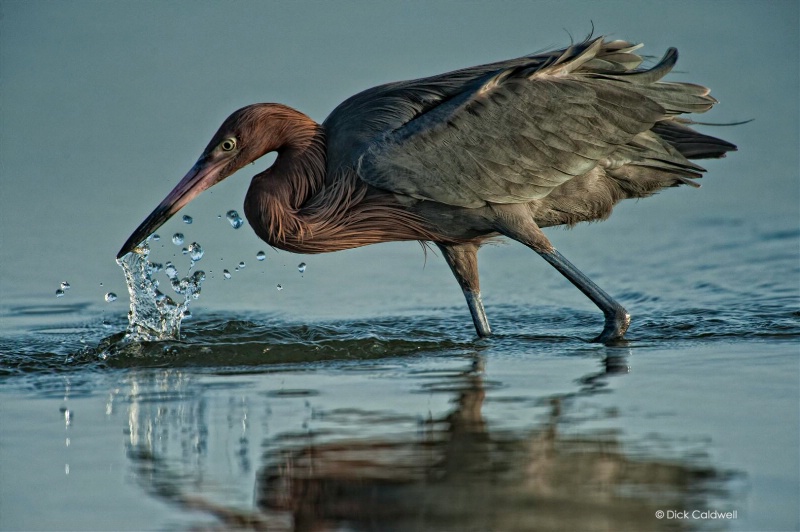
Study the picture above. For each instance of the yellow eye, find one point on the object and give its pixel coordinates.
(228, 144)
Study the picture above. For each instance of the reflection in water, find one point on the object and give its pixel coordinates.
(455, 472)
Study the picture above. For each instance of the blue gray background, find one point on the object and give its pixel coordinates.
(105, 105)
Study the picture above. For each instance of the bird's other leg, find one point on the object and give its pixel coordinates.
(617, 318)
(463, 262)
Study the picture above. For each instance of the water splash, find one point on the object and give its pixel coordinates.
(195, 253)
(235, 220)
(153, 315)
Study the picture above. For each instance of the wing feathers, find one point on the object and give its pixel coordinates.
(514, 131)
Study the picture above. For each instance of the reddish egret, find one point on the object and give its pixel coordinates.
(504, 148)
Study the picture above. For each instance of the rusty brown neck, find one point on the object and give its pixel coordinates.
(294, 206)
(276, 195)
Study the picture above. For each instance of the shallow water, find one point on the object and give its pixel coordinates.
(366, 403)
(351, 393)
(407, 421)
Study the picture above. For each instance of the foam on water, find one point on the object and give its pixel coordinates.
(153, 315)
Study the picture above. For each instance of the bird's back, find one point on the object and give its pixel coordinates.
(522, 130)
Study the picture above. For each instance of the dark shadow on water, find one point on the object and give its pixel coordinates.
(456, 472)
(54, 343)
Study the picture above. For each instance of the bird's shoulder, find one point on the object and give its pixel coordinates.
(367, 116)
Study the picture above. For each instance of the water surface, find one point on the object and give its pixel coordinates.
(351, 393)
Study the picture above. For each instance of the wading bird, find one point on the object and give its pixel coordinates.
(504, 148)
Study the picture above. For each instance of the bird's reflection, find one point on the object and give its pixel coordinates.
(457, 472)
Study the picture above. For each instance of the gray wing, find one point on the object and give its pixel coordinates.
(366, 117)
(512, 134)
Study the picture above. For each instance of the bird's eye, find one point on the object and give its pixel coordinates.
(228, 144)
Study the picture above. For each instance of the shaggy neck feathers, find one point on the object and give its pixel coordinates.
(290, 206)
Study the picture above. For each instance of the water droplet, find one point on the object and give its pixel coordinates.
(177, 239)
(195, 251)
(234, 218)
(226, 274)
(185, 251)
(301, 267)
(187, 314)
(199, 276)
(156, 237)
(279, 287)
(187, 219)
(65, 285)
(110, 297)
(171, 270)
(261, 255)
(59, 292)
(241, 265)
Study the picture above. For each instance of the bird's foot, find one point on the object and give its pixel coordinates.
(615, 327)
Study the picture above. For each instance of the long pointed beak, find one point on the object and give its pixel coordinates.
(202, 175)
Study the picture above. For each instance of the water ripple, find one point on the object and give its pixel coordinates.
(221, 340)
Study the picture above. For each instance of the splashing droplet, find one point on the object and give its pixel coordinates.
(65, 286)
(226, 274)
(301, 267)
(241, 265)
(110, 297)
(177, 239)
(234, 218)
(171, 270)
(279, 287)
(195, 251)
(153, 315)
(59, 293)
(261, 255)
(155, 237)
(187, 219)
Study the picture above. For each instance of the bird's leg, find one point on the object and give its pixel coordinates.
(463, 262)
(617, 318)
(523, 230)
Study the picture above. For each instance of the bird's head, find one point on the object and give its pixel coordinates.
(243, 137)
